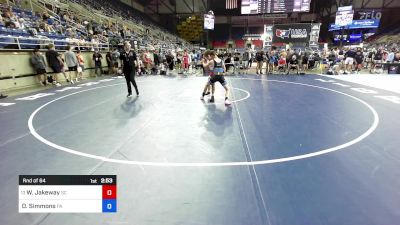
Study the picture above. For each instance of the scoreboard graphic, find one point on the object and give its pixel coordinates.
(67, 194)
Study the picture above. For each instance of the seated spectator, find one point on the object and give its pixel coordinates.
(8, 14)
(1, 20)
(396, 58)
(141, 70)
(50, 21)
(10, 25)
(21, 24)
(82, 43)
(45, 16)
(282, 64)
(293, 64)
(95, 43)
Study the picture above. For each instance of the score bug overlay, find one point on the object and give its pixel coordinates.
(67, 194)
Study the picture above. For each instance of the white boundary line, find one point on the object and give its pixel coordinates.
(208, 103)
(216, 164)
(251, 159)
(359, 83)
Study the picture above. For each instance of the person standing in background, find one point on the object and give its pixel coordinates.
(97, 57)
(114, 57)
(37, 60)
(185, 61)
(129, 64)
(251, 59)
(246, 59)
(109, 62)
(260, 62)
(72, 63)
(81, 64)
(157, 60)
(56, 63)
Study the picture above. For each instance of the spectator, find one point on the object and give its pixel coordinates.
(95, 43)
(56, 63)
(114, 60)
(10, 24)
(8, 14)
(246, 58)
(359, 58)
(304, 61)
(272, 59)
(251, 59)
(109, 62)
(282, 64)
(293, 64)
(396, 58)
(97, 57)
(38, 63)
(72, 63)
(82, 43)
(391, 55)
(141, 69)
(81, 67)
(147, 61)
(377, 59)
(21, 23)
(349, 62)
(45, 16)
(236, 62)
(260, 62)
(156, 58)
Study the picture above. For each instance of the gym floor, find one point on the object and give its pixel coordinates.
(289, 150)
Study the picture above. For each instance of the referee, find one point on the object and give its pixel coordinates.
(129, 63)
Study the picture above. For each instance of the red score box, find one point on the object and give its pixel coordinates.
(109, 192)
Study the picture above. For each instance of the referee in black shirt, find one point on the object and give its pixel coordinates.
(129, 65)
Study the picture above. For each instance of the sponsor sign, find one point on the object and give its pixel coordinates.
(344, 18)
(368, 14)
(269, 35)
(291, 33)
(356, 24)
(314, 35)
(209, 21)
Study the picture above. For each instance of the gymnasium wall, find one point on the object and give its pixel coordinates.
(16, 71)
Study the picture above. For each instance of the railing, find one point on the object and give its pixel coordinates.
(23, 43)
(44, 8)
(42, 4)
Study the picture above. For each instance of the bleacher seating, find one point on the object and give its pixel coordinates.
(87, 18)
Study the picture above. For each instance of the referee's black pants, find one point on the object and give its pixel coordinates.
(130, 78)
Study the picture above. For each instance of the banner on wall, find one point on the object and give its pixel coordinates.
(291, 33)
(356, 24)
(314, 35)
(344, 18)
(209, 21)
(368, 14)
(268, 35)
